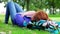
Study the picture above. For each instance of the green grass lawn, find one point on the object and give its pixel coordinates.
(18, 30)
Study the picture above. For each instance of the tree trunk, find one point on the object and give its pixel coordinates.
(53, 11)
(23, 4)
(28, 5)
(50, 11)
(59, 10)
(53, 6)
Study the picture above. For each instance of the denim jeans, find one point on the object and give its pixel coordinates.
(11, 10)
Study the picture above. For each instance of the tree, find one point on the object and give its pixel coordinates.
(28, 4)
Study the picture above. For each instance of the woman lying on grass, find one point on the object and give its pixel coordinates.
(23, 19)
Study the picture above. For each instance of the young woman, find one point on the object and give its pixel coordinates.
(18, 16)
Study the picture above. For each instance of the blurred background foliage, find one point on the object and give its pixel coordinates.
(53, 6)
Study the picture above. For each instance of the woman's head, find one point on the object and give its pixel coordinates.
(40, 15)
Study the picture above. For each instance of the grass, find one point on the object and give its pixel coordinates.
(56, 15)
(18, 30)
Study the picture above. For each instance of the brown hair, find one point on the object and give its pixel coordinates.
(40, 15)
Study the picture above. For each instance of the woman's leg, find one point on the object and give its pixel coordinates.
(7, 14)
(12, 10)
(18, 8)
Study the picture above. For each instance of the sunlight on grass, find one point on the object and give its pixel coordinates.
(55, 18)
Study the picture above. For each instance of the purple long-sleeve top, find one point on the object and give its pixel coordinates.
(19, 18)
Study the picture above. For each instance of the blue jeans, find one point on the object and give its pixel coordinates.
(11, 10)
